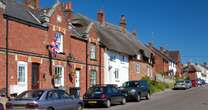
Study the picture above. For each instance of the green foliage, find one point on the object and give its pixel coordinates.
(156, 86)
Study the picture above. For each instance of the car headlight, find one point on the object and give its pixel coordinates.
(132, 91)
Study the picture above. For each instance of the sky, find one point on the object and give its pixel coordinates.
(174, 24)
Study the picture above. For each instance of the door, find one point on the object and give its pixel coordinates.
(22, 84)
(54, 100)
(35, 75)
(77, 79)
(116, 95)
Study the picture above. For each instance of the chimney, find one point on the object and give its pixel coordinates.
(68, 9)
(123, 23)
(150, 44)
(101, 17)
(34, 4)
(134, 34)
(162, 49)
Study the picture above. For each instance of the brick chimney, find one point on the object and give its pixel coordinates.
(134, 33)
(123, 23)
(34, 4)
(101, 17)
(68, 9)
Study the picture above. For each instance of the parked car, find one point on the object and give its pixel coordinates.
(103, 95)
(51, 99)
(181, 84)
(189, 83)
(194, 83)
(136, 90)
(201, 82)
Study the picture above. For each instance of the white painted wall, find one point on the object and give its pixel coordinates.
(203, 74)
(115, 61)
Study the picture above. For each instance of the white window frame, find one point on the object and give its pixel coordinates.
(62, 78)
(93, 51)
(138, 68)
(93, 81)
(116, 73)
(138, 57)
(24, 64)
(59, 43)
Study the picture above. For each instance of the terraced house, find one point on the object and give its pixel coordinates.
(167, 64)
(55, 47)
(43, 48)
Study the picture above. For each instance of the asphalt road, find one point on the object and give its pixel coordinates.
(192, 99)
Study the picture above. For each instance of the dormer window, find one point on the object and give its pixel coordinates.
(138, 57)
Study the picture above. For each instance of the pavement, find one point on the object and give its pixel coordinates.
(191, 99)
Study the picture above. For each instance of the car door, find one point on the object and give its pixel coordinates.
(116, 95)
(143, 88)
(69, 102)
(54, 100)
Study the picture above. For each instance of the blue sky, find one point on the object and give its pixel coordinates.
(175, 24)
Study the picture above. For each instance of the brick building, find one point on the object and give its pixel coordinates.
(164, 64)
(34, 61)
(141, 65)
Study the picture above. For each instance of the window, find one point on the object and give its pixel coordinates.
(59, 42)
(115, 91)
(59, 76)
(138, 68)
(138, 57)
(116, 73)
(123, 59)
(93, 51)
(93, 78)
(52, 95)
(112, 57)
(149, 71)
(22, 72)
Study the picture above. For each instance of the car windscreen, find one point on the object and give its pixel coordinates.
(30, 95)
(131, 84)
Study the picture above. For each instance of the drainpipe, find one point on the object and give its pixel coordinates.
(7, 57)
(86, 64)
(100, 64)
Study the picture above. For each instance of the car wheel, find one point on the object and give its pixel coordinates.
(138, 98)
(148, 96)
(79, 107)
(123, 101)
(108, 103)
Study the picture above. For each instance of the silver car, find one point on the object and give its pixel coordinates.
(181, 84)
(52, 99)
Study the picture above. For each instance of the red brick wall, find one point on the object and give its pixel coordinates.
(133, 75)
(30, 39)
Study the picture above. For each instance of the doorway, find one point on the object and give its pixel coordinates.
(35, 75)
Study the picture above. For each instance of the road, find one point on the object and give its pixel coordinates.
(192, 99)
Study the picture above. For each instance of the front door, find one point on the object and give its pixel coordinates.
(35, 75)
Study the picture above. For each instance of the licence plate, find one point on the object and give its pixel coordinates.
(19, 107)
(92, 102)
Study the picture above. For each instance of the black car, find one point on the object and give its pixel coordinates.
(104, 95)
(136, 90)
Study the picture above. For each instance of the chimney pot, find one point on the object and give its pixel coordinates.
(134, 33)
(34, 4)
(101, 17)
(68, 9)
